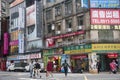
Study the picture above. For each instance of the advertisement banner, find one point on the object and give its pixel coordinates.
(6, 43)
(104, 4)
(105, 16)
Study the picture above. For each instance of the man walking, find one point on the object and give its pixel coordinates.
(65, 67)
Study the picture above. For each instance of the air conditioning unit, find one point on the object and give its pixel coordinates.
(69, 29)
(58, 32)
(80, 27)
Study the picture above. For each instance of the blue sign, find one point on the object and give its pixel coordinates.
(84, 3)
(104, 3)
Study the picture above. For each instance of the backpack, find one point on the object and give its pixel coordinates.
(37, 66)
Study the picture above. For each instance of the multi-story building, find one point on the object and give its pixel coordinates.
(67, 31)
(82, 32)
(4, 12)
(25, 30)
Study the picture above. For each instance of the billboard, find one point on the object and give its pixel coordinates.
(105, 16)
(30, 15)
(104, 3)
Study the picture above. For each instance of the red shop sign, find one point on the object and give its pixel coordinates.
(79, 56)
(67, 35)
(112, 55)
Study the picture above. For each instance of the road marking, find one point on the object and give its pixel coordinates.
(85, 77)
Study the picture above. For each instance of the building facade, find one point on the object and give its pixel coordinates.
(25, 31)
(84, 31)
(4, 12)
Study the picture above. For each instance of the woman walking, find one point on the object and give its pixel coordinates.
(49, 68)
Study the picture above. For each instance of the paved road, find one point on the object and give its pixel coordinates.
(59, 76)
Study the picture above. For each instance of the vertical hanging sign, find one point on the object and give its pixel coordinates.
(21, 29)
(38, 22)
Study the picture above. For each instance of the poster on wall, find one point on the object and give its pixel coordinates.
(105, 16)
(65, 57)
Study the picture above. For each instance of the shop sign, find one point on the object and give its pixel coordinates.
(68, 35)
(12, 58)
(100, 27)
(79, 56)
(104, 3)
(88, 48)
(48, 52)
(106, 47)
(112, 55)
(58, 51)
(14, 42)
(30, 56)
(74, 49)
(105, 16)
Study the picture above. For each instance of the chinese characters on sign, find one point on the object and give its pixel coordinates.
(105, 16)
(104, 3)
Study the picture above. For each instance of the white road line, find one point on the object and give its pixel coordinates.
(85, 77)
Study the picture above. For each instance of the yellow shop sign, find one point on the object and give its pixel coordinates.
(105, 47)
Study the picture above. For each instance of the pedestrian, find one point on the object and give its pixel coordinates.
(49, 68)
(65, 67)
(113, 67)
(98, 66)
(37, 68)
(31, 66)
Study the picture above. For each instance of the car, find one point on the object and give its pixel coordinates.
(20, 66)
(10, 67)
(27, 68)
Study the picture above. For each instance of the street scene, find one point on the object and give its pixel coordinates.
(59, 76)
(59, 39)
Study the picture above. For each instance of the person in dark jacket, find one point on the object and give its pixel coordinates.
(65, 66)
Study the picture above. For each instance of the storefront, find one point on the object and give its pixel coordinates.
(78, 56)
(25, 58)
(55, 54)
(105, 53)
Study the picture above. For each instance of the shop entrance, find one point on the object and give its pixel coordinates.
(79, 62)
(105, 60)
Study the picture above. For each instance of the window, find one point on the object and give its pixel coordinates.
(49, 14)
(58, 25)
(78, 5)
(69, 23)
(49, 27)
(31, 29)
(68, 7)
(105, 35)
(80, 20)
(58, 10)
